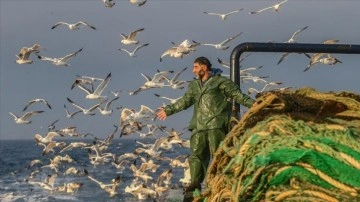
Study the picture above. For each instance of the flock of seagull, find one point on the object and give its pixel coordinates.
(132, 122)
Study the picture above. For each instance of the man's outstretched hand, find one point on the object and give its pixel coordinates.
(160, 114)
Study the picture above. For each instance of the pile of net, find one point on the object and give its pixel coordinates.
(299, 145)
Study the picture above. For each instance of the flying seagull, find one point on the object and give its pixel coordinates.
(132, 54)
(75, 26)
(276, 8)
(37, 100)
(25, 118)
(222, 45)
(223, 16)
(24, 54)
(130, 39)
(60, 61)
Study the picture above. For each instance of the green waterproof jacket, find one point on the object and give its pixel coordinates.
(212, 107)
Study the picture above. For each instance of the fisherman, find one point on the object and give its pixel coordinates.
(209, 93)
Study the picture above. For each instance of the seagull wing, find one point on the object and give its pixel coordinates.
(28, 104)
(82, 87)
(58, 24)
(133, 34)
(178, 74)
(234, 11)
(137, 48)
(144, 109)
(282, 58)
(102, 85)
(261, 10)
(212, 13)
(146, 77)
(51, 135)
(73, 103)
(122, 49)
(27, 115)
(71, 55)
(229, 39)
(86, 24)
(107, 106)
(298, 32)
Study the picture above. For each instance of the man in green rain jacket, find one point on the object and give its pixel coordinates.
(209, 124)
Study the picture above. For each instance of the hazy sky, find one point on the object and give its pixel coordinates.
(24, 23)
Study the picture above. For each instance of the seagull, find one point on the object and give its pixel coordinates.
(111, 188)
(131, 38)
(47, 184)
(172, 100)
(165, 177)
(85, 111)
(178, 51)
(293, 40)
(51, 127)
(227, 64)
(224, 16)
(174, 82)
(153, 150)
(68, 115)
(276, 8)
(172, 52)
(83, 82)
(47, 139)
(106, 111)
(24, 54)
(319, 58)
(115, 93)
(155, 81)
(97, 93)
(132, 116)
(137, 2)
(108, 3)
(60, 61)
(73, 170)
(37, 100)
(294, 36)
(267, 85)
(222, 45)
(74, 26)
(50, 147)
(132, 54)
(75, 145)
(186, 180)
(25, 118)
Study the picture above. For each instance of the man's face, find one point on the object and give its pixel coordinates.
(199, 70)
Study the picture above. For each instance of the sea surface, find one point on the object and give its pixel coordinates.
(17, 154)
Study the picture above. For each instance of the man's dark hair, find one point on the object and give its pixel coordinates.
(203, 61)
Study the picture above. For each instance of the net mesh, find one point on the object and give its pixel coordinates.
(300, 145)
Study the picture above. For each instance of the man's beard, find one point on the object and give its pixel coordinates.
(201, 74)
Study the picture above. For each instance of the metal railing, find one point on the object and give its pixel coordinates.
(281, 47)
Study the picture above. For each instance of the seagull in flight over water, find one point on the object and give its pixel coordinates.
(25, 118)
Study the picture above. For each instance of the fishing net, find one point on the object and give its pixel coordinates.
(299, 145)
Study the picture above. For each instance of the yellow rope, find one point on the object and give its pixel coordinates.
(350, 160)
(328, 179)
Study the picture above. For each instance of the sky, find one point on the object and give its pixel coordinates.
(24, 23)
